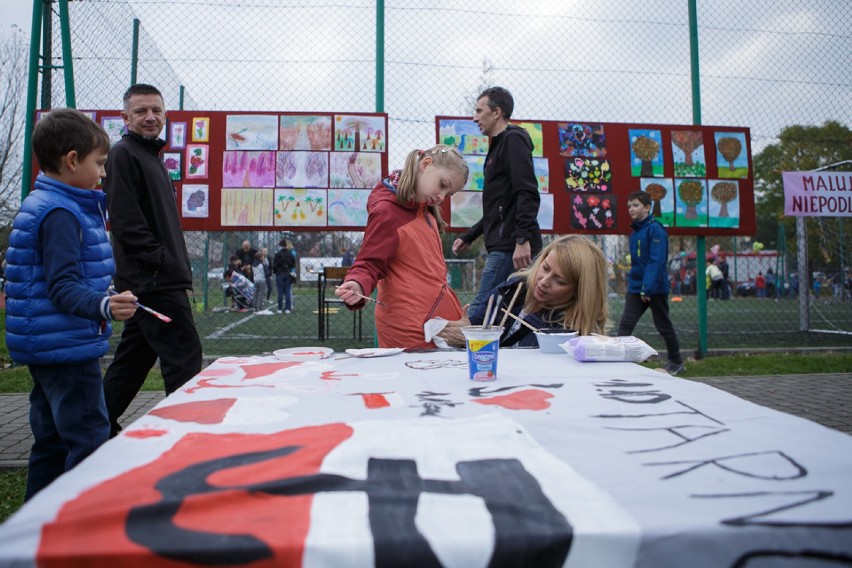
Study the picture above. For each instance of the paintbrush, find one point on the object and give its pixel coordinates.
(362, 296)
(487, 316)
(496, 309)
(154, 313)
(511, 303)
(522, 322)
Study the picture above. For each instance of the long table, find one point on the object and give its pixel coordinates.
(402, 461)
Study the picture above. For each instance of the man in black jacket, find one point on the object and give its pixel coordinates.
(150, 257)
(510, 199)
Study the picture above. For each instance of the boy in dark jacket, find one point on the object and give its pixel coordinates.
(59, 268)
(647, 281)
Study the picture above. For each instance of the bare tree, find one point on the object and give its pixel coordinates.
(486, 80)
(13, 85)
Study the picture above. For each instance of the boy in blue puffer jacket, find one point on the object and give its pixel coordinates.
(59, 268)
(648, 279)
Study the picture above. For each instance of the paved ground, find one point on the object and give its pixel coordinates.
(826, 399)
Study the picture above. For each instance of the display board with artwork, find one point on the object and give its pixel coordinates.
(700, 178)
(276, 170)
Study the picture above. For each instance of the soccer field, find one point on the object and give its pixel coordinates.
(740, 323)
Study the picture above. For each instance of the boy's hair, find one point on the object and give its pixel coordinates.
(443, 157)
(499, 97)
(139, 89)
(642, 197)
(62, 130)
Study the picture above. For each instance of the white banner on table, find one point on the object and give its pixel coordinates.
(403, 461)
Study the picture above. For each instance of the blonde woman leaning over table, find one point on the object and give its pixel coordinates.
(402, 254)
(565, 287)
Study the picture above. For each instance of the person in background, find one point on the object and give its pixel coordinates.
(564, 288)
(346, 258)
(59, 307)
(246, 253)
(402, 253)
(770, 283)
(283, 265)
(258, 270)
(267, 271)
(648, 286)
(714, 279)
(725, 288)
(150, 257)
(760, 285)
(510, 199)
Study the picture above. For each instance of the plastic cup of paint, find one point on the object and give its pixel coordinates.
(483, 346)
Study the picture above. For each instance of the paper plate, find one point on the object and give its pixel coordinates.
(303, 353)
(375, 352)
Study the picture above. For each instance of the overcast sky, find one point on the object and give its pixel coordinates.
(607, 60)
(17, 12)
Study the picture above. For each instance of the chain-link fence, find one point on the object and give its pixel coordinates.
(762, 65)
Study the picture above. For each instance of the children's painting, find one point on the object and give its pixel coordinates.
(690, 202)
(593, 212)
(534, 130)
(201, 129)
(114, 126)
(196, 161)
(347, 207)
(545, 212)
(646, 155)
(587, 174)
(724, 203)
(195, 200)
(465, 208)
(541, 167)
(476, 173)
(248, 169)
(301, 207)
(580, 139)
(304, 132)
(688, 153)
(354, 133)
(172, 162)
(177, 135)
(463, 135)
(662, 199)
(731, 154)
(301, 169)
(251, 132)
(355, 170)
(247, 207)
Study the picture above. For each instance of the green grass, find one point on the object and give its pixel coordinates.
(766, 364)
(13, 485)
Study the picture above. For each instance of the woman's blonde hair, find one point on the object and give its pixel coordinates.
(584, 266)
(443, 157)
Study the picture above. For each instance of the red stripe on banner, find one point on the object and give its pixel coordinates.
(530, 399)
(202, 412)
(213, 497)
(145, 433)
(209, 384)
(266, 369)
(375, 400)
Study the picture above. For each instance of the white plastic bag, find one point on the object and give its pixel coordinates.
(603, 348)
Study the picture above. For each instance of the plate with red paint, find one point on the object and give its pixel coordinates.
(375, 352)
(303, 353)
